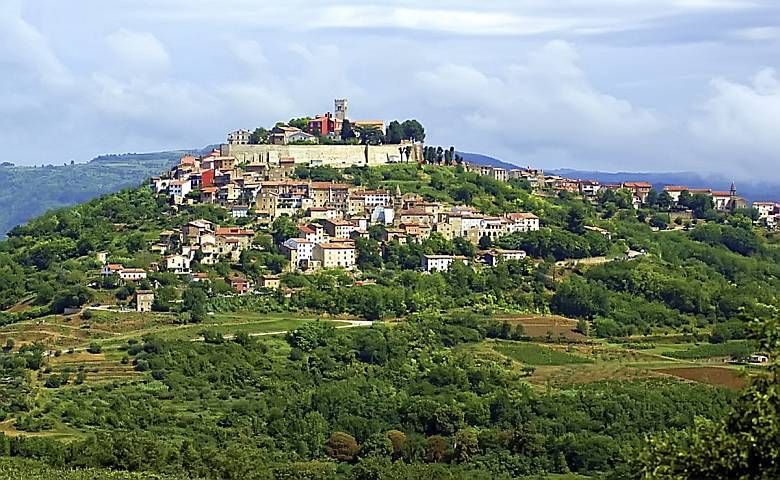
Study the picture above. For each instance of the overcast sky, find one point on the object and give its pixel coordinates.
(644, 85)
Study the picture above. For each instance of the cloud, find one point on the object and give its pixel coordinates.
(138, 53)
(27, 49)
(738, 124)
(545, 102)
(621, 88)
(758, 33)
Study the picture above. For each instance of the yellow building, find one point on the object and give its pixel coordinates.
(335, 255)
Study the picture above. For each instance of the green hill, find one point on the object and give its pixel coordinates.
(26, 192)
(463, 374)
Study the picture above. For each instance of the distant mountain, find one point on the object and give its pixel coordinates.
(480, 159)
(752, 191)
(27, 192)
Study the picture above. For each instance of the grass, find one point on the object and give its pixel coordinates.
(534, 354)
(739, 348)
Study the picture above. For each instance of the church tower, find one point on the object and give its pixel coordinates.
(733, 190)
(340, 108)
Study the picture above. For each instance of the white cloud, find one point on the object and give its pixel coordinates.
(739, 124)
(138, 53)
(24, 45)
(758, 33)
(544, 102)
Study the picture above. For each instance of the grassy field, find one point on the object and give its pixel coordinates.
(534, 354)
(560, 365)
(740, 348)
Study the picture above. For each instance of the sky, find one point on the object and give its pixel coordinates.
(621, 85)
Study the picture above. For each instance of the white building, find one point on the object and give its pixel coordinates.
(132, 274)
(492, 228)
(239, 137)
(299, 251)
(383, 215)
(179, 188)
(439, 263)
(589, 188)
(178, 264)
(522, 222)
(494, 257)
(766, 209)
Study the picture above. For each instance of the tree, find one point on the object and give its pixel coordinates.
(347, 132)
(311, 335)
(194, 301)
(377, 445)
(301, 123)
(485, 242)
(395, 133)
(436, 450)
(578, 298)
(744, 445)
(660, 221)
(368, 253)
(398, 440)
(413, 130)
(259, 136)
(370, 135)
(466, 445)
(342, 447)
(283, 228)
(575, 220)
(164, 298)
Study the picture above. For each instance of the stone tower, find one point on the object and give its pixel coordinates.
(340, 108)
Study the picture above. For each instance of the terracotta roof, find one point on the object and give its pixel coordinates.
(329, 185)
(338, 246)
(415, 211)
(522, 216)
(234, 231)
(637, 185)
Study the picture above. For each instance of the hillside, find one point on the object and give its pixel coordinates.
(26, 192)
(557, 364)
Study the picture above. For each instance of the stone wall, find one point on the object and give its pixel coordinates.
(338, 156)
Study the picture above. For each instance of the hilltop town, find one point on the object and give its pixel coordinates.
(258, 177)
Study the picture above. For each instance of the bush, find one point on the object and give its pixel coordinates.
(94, 348)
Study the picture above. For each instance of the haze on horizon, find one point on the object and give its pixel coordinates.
(643, 85)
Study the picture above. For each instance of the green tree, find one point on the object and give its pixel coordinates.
(259, 136)
(395, 133)
(744, 445)
(342, 447)
(347, 133)
(413, 130)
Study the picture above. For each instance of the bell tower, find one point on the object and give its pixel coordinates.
(340, 108)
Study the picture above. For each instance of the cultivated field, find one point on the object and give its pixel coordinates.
(546, 327)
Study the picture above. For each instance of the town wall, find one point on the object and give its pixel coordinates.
(338, 156)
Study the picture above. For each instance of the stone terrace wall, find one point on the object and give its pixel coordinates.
(338, 156)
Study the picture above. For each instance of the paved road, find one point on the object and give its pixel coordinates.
(351, 324)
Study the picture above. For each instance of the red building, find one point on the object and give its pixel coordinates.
(324, 125)
(240, 285)
(207, 178)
